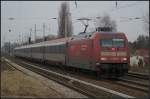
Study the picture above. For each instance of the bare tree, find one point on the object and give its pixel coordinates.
(65, 21)
(105, 21)
(146, 22)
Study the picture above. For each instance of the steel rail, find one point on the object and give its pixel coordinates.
(133, 84)
(138, 75)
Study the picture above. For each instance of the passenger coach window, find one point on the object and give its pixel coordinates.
(49, 49)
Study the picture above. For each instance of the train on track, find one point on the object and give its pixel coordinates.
(105, 53)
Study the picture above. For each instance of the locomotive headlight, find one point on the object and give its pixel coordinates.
(124, 59)
(103, 58)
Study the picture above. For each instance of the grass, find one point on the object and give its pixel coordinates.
(15, 83)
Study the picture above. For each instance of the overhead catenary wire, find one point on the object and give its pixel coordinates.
(121, 7)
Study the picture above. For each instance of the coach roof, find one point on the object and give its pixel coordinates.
(45, 43)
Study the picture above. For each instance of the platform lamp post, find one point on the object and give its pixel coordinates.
(67, 15)
(44, 38)
(11, 19)
(55, 19)
(30, 36)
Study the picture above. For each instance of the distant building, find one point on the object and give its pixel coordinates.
(142, 52)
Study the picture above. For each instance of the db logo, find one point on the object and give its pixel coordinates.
(83, 47)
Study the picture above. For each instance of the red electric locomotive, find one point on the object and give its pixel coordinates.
(105, 53)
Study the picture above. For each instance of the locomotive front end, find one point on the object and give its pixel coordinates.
(113, 55)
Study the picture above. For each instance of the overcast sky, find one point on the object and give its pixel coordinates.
(28, 13)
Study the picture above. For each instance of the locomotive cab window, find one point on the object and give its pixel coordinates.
(112, 42)
(118, 42)
(106, 43)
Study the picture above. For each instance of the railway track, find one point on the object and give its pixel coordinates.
(138, 75)
(134, 84)
(89, 89)
(135, 80)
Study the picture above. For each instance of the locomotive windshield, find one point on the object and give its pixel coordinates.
(112, 42)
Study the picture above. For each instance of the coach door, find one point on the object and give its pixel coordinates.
(86, 54)
(43, 53)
